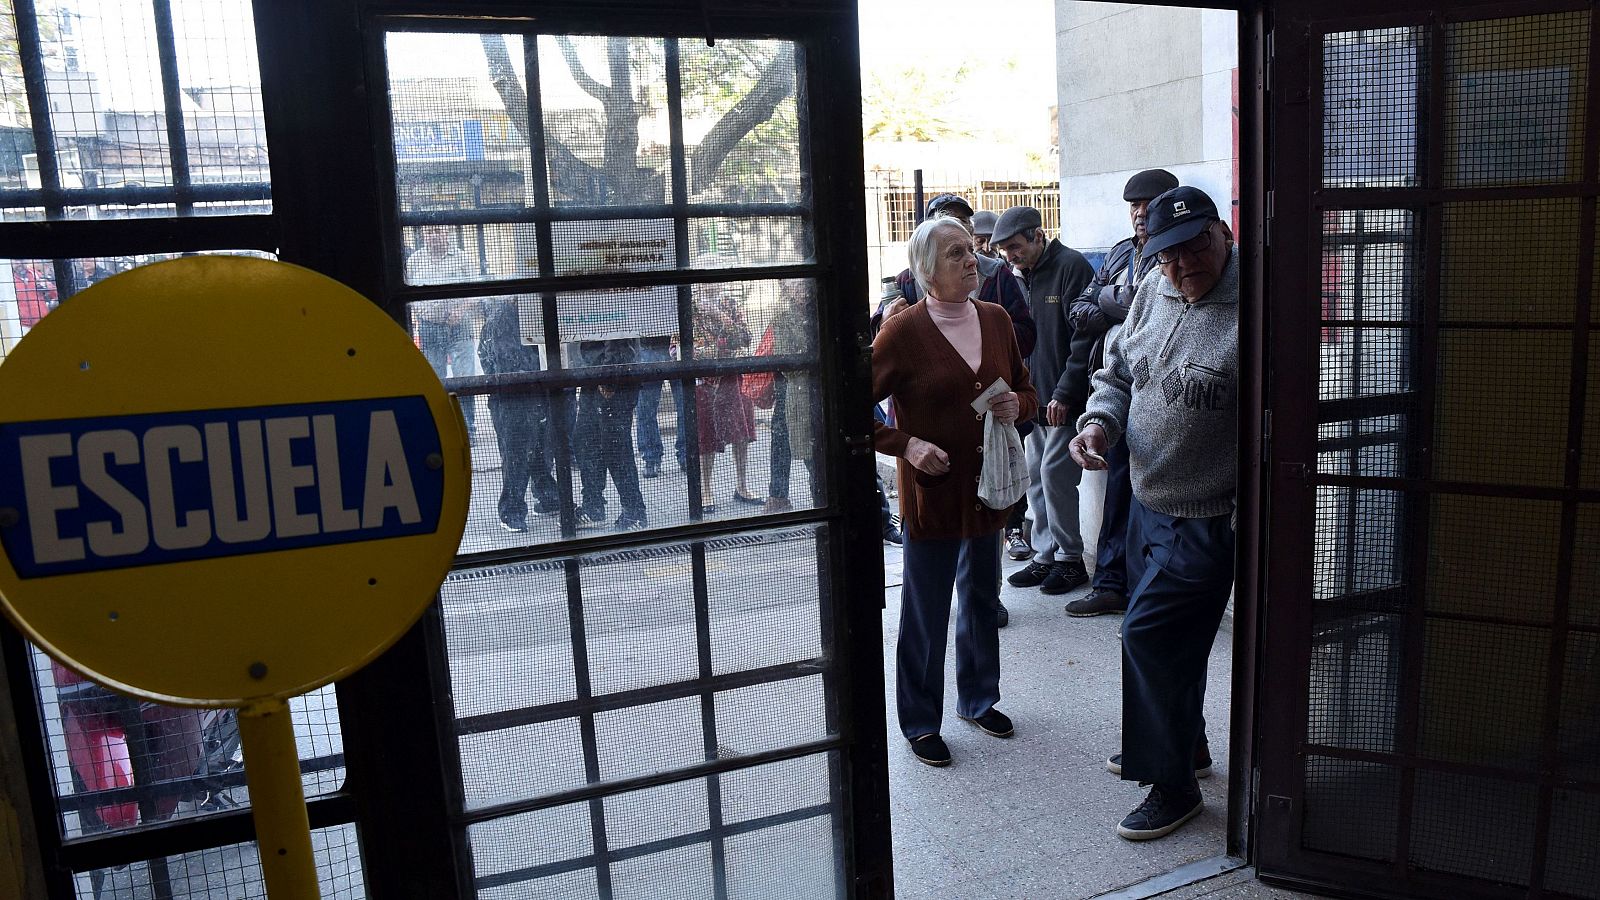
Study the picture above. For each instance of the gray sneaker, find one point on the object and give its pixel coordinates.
(1098, 603)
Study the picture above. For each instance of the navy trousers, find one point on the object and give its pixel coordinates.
(932, 569)
(1111, 551)
(1182, 573)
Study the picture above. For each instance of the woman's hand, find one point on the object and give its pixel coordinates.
(926, 457)
(1005, 407)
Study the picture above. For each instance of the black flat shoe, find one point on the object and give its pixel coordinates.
(994, 723)
(930, 749)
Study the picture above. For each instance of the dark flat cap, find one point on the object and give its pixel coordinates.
(1016, 220)
(1176, 216)
(1149, 184)
(983, 222)
(948, 201)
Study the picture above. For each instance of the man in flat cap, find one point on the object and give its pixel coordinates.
(1098, 314)
(1055, 275)
(1169, 391)
(983, 222)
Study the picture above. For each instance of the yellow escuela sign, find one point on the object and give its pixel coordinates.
(222, 480)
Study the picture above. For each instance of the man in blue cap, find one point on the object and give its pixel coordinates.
(1097, 316)
(1169, 390)
(1055, 275)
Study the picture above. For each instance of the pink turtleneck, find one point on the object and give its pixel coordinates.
(958, 322)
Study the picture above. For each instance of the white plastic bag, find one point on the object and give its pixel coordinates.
(1005, 467)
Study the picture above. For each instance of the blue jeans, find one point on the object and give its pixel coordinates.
(933, 568)
(648, 430)
(1182, 572)
(448, 348)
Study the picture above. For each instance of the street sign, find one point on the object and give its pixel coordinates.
(223, 479)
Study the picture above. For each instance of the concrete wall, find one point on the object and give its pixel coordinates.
(1140, 87)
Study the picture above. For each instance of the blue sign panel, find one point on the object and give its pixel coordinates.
(140, 490)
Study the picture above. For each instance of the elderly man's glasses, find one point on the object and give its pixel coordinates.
(1198, 244)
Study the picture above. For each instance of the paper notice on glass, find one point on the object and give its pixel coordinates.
(981, 404)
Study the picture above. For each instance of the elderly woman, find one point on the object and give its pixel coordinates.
(934, 359)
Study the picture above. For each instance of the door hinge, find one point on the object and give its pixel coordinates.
(1272, 212)
(1272, 53)
(1266, 435)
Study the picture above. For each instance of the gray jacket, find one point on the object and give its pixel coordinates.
(1170, 387)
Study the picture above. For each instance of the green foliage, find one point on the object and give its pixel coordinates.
(912, 104)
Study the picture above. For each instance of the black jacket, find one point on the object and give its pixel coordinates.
(1058, 279)
(1105, 302)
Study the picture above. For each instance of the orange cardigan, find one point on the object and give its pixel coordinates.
(933, 390)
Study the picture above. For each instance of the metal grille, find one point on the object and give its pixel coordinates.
(1478, 827)
(766, 831)
(228, 873)
(1351, 807)
(123, 110)
(1493, 556)
(1514, 100)
(1372, 82)
(1355, 682)
(1451, 698)
(1483, 374)
(627, 450)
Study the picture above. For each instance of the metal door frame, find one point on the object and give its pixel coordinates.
(1291, 172)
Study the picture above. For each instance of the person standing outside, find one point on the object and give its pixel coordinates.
(935, 359)
(444, 327)
(1169, 391)
(1054, 275)
(1098, 314)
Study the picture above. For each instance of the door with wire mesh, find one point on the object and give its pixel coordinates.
(1431, 712)
(609, 246)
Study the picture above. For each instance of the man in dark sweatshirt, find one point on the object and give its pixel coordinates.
(1169, 390)
(1097, 316)
(1054, 275)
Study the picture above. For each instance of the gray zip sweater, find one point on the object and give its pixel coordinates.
(1170, 386)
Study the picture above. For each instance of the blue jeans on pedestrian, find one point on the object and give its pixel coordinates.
(1182, 574)
(647, 430)
(933, 569)
(449, 350)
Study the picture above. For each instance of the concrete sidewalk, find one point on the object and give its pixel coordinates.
(1035, 816)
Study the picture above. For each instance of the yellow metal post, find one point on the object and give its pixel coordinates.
(277, 797)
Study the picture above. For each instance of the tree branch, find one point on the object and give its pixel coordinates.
(590, 86)
(775, 84)
(569, 175)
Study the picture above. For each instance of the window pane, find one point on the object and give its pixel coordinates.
(228, 873)
(119, 763)
(110, 116)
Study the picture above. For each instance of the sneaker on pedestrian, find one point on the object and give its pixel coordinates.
(892, 535)
(777, 505)
(628, 522)
(516, 526)
(931, 749)
(1016, 547)
(1202, 761)
(543, 509)
(1163, 811)
(652, 468)
(994, 723)
(1098, 603)
(1063, 577)
(583, 518)
(1002, 616)
(1032, 575)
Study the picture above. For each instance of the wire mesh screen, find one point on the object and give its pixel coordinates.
(120, 764)
(1478, 827)
(1509, 261)
(628, 450)
(1380, 446)
(228, 873)
(743, 81)
(1483, 374)
(1514, 100)
(1584, 603)
(1372, 118)
(1493, 556)
(1358, 547)
(116, 119)
(1589, 467)
(604, 101)
(1351, 807)
(1578, 741)
(1484, 693)
(1572, 866)
(766, 831)
(1355, 681)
